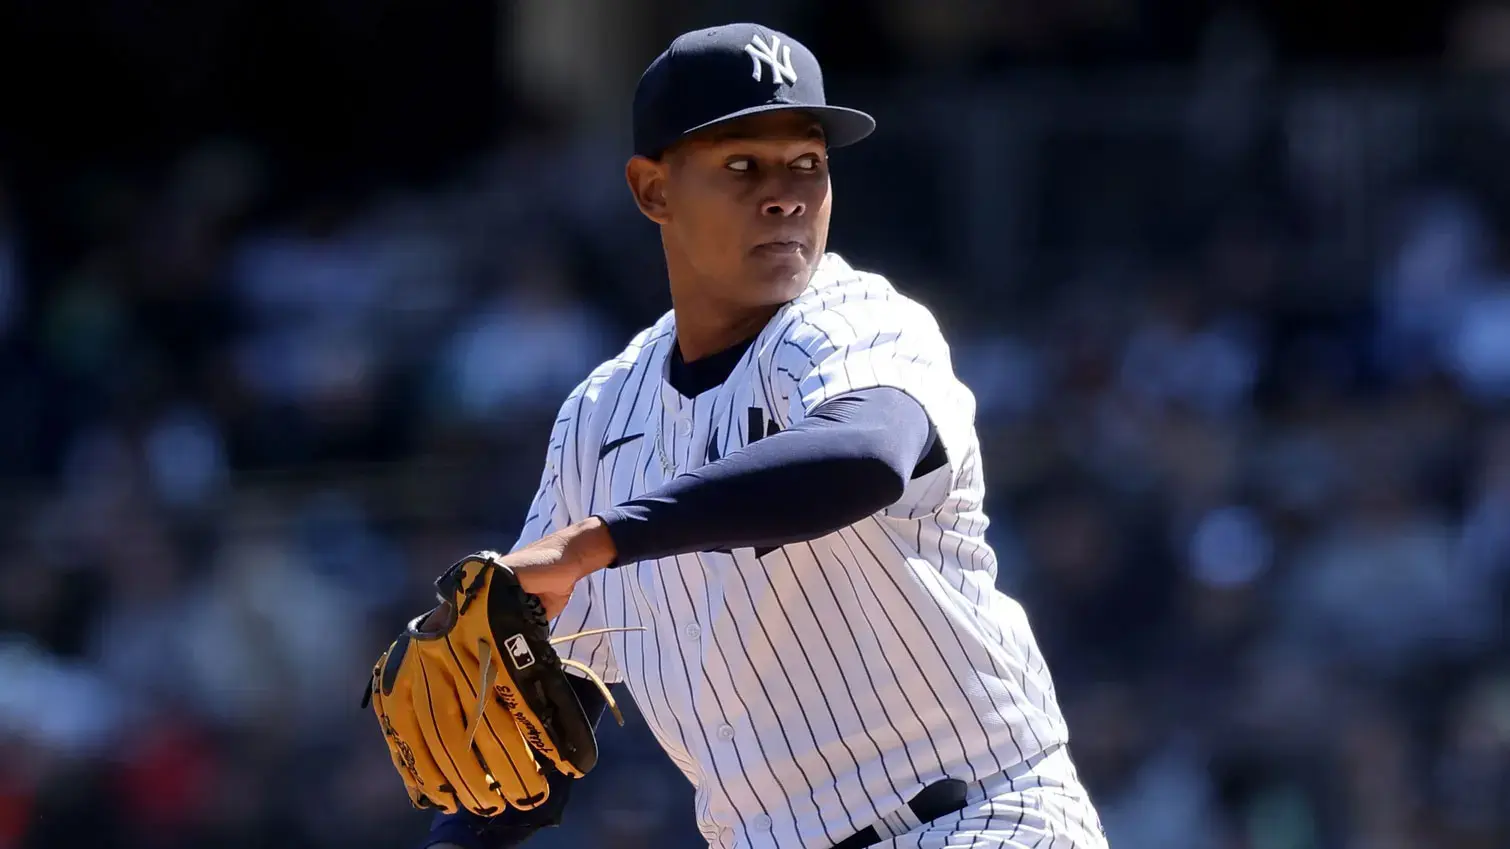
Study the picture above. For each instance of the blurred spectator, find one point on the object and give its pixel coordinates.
(1238, 332)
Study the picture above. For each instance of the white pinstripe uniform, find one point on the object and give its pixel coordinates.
(812, 690)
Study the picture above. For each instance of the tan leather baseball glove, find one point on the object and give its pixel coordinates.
(473, 692)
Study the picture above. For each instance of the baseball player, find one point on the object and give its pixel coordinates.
(766, 515)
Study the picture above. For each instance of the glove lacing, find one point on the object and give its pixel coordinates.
(489, 675)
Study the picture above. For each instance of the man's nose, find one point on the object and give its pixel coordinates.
(783, 207)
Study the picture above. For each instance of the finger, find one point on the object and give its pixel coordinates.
(554, 603)
(400, 752)
(504, 753)
(443, 722)
(407, 741)
(532, 788)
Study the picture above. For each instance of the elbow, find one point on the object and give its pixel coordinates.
(878, 483)
(876, 470)
(891, 482)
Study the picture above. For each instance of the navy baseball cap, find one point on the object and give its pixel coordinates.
(710, 76)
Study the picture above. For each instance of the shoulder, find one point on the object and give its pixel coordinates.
(844, 302)
(604, 381)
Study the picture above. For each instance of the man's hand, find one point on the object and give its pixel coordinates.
(550, 567)
(473, 699)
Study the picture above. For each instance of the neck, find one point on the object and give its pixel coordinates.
(706, 324)
(704, 332)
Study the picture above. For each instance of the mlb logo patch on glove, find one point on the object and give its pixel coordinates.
(473, 691)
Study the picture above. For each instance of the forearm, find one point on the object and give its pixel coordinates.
(851, 458)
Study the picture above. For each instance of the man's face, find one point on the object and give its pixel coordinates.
(745, 204)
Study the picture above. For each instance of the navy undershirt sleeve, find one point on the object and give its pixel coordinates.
(513, 826)
(851, 457)
(847, 460)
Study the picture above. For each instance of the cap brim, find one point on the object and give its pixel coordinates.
(842, 126)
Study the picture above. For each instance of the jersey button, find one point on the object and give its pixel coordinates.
(760, 822)
(693, 631)
(726, 732)
(684, 427)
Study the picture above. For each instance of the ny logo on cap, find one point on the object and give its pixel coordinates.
(781, 68)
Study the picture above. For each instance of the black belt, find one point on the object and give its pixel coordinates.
(938, 799)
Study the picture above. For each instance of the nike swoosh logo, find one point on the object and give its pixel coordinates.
(603, 452)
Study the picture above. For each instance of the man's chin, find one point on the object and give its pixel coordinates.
(782, 276)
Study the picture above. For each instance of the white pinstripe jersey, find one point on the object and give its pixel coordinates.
(810, 690)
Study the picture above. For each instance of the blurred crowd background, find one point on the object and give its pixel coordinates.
(290, 292)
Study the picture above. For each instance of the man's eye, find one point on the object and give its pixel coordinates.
(807, 163)
(740, 165)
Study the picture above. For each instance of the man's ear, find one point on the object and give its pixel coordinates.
(647, 182)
